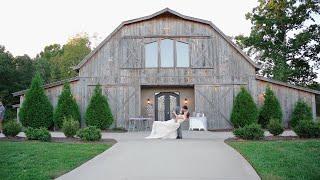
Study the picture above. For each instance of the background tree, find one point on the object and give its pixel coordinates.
(244, 111)
(36, 110)
(301, 112)
(73, 52)
(285, 39)
(67, 107)
(7, 74)
(55, 62)
(25, 70)
(15, 74)
(45, 62)
(98, 112)
(271, 108)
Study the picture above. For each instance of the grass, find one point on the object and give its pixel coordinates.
(40, 160)
(296, 159)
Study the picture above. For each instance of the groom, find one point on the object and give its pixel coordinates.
(179, 131)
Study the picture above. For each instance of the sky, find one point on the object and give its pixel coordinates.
(28, 26)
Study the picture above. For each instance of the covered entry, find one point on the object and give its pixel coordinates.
(158, 102)
(165, 103)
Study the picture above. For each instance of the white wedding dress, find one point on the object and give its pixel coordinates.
(165, 129)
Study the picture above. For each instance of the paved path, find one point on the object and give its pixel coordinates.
(199, 156)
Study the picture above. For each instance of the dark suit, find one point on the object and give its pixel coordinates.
(179, 130)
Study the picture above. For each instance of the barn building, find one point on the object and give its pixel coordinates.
(147, 66)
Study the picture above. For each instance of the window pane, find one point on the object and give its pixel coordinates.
(167, 53)
(182, 54)
(151, 53)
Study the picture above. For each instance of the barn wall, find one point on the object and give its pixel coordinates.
(287, 97)
(119, 64)
(216, 102)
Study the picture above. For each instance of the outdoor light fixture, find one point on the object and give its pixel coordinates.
(148, 101)
(185, 101)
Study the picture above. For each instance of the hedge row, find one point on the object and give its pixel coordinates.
(37, 112)
(245, 116)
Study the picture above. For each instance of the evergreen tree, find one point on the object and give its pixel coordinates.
(244, 111)
(67, 107)
(98, 112)
(270, 109)
(301, 112)
(36, 110)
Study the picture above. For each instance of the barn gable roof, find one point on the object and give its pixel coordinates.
(166, 10)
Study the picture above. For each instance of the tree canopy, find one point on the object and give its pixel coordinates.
(285, 39)
(54, 63)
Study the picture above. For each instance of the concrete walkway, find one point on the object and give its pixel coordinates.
(199, 156)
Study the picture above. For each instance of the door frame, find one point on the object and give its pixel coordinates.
(167, 103)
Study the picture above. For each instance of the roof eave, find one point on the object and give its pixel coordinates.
(287, 85)
(46, 86)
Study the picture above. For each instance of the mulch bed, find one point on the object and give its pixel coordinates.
(60, 139)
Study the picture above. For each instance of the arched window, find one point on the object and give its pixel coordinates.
(166, 48)
(182, 50)
(151, 54)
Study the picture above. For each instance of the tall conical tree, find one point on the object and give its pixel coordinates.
(67, 107)
(244, 111)
(98, 112)
(301, 112)
(36, 110)
(270, 109)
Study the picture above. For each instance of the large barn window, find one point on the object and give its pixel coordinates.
(167, 53)
(166, 48)
(151, 53)
(182, 50)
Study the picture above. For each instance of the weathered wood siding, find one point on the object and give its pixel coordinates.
(119, 67)
(287, 97)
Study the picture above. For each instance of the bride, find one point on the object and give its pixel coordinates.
(168, 129)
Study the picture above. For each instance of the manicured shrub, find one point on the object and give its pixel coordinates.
(36, 110)
(307, 129)
(90, 133)
(251, 132)
(244, 111)
(41, 134)
(11, 128)
(66, 107)
(98, 112)
(70, 127)
(275, 127)
(270, 109)
(301, 111)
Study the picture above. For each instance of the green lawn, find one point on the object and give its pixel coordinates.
(40, 160)
(295, 159)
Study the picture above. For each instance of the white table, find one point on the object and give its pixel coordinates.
(198, 123)
(138, 122)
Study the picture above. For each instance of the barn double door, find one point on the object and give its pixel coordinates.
(165, 103)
